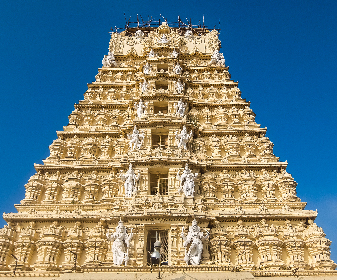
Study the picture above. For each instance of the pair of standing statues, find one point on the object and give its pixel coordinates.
(121, 244)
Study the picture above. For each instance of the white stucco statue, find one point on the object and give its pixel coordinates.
(144, 86)
(130, 180)
(183, 137)
(136, 139)
(109, 60)
(187, 179)
(179, 86)
(177, 69)
(180, 108)
(147, 69)
(195, 237)
(175, 53)
(188, 34)
(140, 108)
(217, 58)
(152, 54)
(121, 244)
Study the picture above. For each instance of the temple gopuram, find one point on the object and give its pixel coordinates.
(163, 167)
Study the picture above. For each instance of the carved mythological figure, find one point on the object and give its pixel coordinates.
(136, 139)
(183, 137)
(140, 108)
(217, 59)
(180, 108)
(179, 86)
(195, 237)
(121, 244)
(144, 86)
(177, 69)
(130, 179)
(187, 181)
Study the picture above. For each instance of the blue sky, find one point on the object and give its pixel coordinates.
(283, 53)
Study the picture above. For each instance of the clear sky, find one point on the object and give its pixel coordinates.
(283, 53)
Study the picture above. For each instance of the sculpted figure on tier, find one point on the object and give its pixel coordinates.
(217, 59)
(144, 86)
(152, 54)
(180, 108)
(147, 69)
(130, 179)
(195, 237)
(179, 86)
(140, 108)
(187, 181)
(183, 137)
(175, 53)
(121, 244)
(136, 139)
(108, 60)
(177, 69)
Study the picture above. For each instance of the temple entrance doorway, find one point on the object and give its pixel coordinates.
(162, 236)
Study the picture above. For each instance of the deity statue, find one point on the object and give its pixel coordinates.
(136, 139)
(195, 237)
(109, 60)
(187, 181)
(120, 240)
(217, 59)
(152, 54)
(143, 86)
(177, 69)
(130, 179)
(175, 53)
(163, 39)
(147, 69)
(179, 86)
(140, 108)
(183, 137)
(180, 108)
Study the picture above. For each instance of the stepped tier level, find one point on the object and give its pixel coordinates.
(163, 148)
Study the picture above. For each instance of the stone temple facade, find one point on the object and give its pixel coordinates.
(164, 148)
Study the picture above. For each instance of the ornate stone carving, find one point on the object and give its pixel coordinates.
(179, 86)
(195, 237)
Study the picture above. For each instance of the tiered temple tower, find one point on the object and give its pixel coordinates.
(161, 138)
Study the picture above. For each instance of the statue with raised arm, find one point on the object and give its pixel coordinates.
(195, 237)
(130, 179)
(187, 181)
(179, 86)
(140, 108)
(180, 108)
(183, 137)
(121, 244)
(136, 139)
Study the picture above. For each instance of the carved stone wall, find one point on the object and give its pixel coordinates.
(243, 195)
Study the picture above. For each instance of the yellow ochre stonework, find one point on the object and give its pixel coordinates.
(161, 139)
